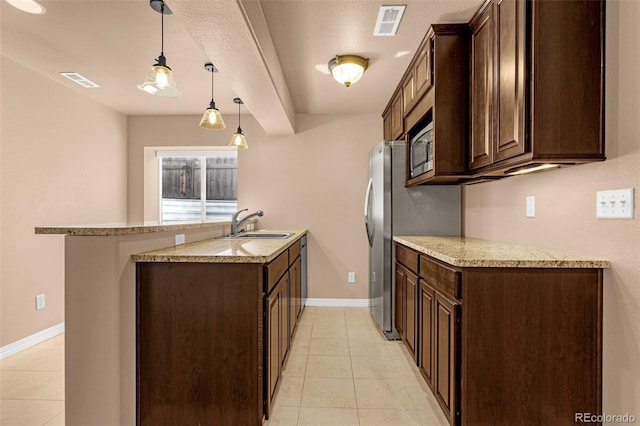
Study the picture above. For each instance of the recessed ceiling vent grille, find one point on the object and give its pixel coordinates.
(388, 20)
(77, 78)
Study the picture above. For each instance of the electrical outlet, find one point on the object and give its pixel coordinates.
(179, 239)
(351, 277)
(41, 303)
(615, 204)
(531, 206)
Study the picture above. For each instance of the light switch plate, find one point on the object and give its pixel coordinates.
(531, 206)
(615, 204)
(351, 277)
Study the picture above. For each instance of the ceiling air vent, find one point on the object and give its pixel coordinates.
(77, 78)
(388, 20)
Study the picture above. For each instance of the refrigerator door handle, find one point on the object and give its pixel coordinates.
(367, 211)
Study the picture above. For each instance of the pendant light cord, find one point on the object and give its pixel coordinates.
(212, 71)
(239, 115)
(162, 29)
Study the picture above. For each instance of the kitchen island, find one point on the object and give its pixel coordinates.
(215, 321)
(502, 334)
(100, 315)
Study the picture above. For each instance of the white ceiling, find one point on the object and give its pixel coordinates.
(271, 53)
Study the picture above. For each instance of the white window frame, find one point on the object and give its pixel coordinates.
(202, 154)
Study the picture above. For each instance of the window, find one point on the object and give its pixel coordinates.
(189, 195)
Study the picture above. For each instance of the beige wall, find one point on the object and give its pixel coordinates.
(565, 211)
(315, 180)
(63, 162)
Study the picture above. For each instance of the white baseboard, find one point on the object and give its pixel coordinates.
(346, 303)
(34, 339)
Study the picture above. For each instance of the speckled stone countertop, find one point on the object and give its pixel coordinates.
(127, 229)
(472, 252)
(221, 250)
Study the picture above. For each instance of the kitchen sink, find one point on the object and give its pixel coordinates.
(259, 234)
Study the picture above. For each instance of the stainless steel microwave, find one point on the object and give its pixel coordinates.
(421, 152)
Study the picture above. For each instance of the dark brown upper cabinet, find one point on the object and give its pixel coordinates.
(536, 85)
(435, 87)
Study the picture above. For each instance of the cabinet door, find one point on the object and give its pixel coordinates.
(297, 272)
(408, 93)
(411, 304)
(400, 299)
(509, 74)
(425, 330)
(397, 124)
(423, 71)
(481, 91)
(285, 302)
(386, 125)
(446, 320)
(273, 344)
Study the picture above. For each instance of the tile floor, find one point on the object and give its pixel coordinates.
(32, 386)
(340, 372)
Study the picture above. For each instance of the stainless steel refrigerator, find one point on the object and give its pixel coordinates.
(390, 210)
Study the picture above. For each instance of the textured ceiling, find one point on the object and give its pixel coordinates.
(271, 53)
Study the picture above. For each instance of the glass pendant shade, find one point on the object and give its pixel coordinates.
(348, 69)
(212, 119)
(238, 140)
(160, 82)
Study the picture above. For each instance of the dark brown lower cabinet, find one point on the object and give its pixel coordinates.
(400, 299)
(425, 334)
(507, 346)
(212, 339)
(411, 305)
(446, 317)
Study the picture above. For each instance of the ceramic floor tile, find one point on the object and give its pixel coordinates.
(369, 348)
(289, 392)
(374, 368)
(386, 417)
(329, 311)
(55, 343)
(364, 332)
(56, 421)
(303, 333)
(300, 346)
(329, 332)
(35, 359)
(329, 320)
(382, 393)
(333, 393)
(329, 366)
(34, 385)
(28, 413)
(283, 416)
(295, 366)
(310, 416)
(329, 347)
(432, 418)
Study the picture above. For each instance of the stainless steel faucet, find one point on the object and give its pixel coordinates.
(235, 224)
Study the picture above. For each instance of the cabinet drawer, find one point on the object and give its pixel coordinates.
(441, 277)
(407, 257)
(275, 270)
(294, 251)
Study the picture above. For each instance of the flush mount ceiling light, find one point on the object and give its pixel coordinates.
(211, 119)
(348, 69)
(160, 80)
(29, 6)
(238, 139)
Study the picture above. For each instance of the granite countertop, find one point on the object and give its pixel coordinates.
(221, 250)
(472, 252)
(127, 229)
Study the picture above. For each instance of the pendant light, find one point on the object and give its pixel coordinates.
(211, 119)
(238, 139)
(348, 69)
(160, 80)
